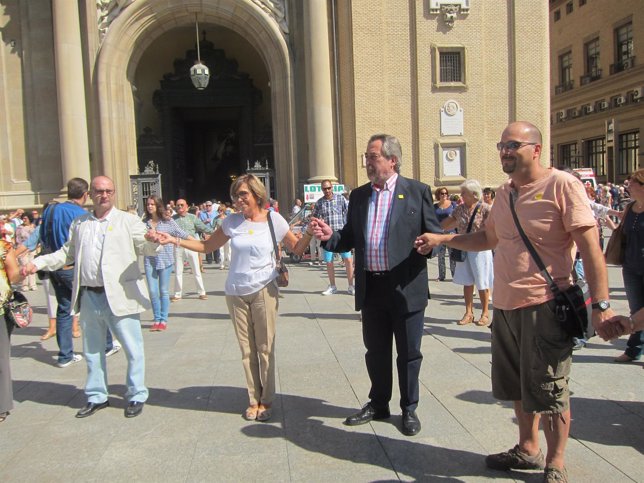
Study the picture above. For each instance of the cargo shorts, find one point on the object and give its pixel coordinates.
(531, 359)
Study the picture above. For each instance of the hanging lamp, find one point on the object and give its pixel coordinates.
(199, 73)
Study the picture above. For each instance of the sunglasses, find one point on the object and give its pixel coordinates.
(512, 145)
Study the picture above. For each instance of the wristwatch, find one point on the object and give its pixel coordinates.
(602, 305)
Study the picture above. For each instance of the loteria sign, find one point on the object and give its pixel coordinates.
(313, 192)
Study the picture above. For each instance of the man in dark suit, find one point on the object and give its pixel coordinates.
(383, 220)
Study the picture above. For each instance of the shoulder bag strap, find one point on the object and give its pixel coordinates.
(270, 227)
(469, 225)
(530, 247)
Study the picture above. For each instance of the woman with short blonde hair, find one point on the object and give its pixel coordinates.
(251, 290)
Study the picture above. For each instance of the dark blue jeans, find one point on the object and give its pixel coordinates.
(634, 285)
(62, 281)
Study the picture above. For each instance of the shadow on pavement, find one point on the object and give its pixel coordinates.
(589, 417)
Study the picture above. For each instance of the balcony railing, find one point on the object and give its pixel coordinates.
(591, 76)
(622, 65)
(566, 86)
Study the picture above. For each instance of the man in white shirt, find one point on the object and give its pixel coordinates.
(104, 246)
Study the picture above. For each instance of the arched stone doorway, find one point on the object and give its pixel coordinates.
(202, 139)
(126, 42)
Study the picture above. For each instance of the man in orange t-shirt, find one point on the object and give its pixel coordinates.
(531, 353)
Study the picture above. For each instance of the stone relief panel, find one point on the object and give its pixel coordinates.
(107, 11)
(277, 10)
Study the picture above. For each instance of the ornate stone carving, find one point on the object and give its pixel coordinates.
(107, 11)
(449, 9)
(277, 10)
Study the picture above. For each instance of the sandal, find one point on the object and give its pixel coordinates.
(47, 335)
(251, 413)
(467, 319)
(3, 416)
(264, 413)
(484, 321)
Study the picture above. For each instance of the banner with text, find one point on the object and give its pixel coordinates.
(313, 192)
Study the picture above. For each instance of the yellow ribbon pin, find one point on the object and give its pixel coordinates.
(400, 197)
(109, 228)
(250, 232)
(538, 196)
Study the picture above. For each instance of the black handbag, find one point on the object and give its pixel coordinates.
(282, 269)
(17, 311)
(459, 255)
(573, 305)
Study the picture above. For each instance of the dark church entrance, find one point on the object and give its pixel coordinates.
(208, 137)
(212, 158)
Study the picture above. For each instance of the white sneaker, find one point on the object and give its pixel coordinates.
(76, 358)
(330, 290)
(351, 290)
(115, 348)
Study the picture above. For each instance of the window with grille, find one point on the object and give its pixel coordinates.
(582, 3)
(624, 42)
(568, 155)
(557, 15)
(595, 154)
(627, 152)
(450, 67)
(569, 8)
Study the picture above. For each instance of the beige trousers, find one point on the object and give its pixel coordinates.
(254, 318)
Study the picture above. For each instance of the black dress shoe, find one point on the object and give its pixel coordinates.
(366, 414)
(410, 423)
(133, 409)
(91, 408)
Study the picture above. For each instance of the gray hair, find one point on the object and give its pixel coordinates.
(390, 147)
(473, 187)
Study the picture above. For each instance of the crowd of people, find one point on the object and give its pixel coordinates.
(384, 233)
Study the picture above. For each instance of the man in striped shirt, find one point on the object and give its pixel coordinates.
(383, 220)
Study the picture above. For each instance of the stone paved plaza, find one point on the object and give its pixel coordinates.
(192, 430)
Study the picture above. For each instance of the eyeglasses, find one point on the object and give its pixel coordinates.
(372, 157)
(241, 194)
(512, 145)
(103, 192)
(443, 193)
(327, 188)
(208, 204)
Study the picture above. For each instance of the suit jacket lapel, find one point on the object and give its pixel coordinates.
(363, 208)
(398, 204)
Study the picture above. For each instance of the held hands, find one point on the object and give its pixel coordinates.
(623, 324)
(28, 269)
(152, 236)
(320, 229)
(425, 242)
(607, 324)
(165, 238)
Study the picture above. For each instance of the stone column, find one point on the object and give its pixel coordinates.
(70, 88)
(318, 91)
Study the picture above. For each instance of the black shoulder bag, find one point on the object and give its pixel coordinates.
(573, 305)
(282, 269)
(459, 255)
